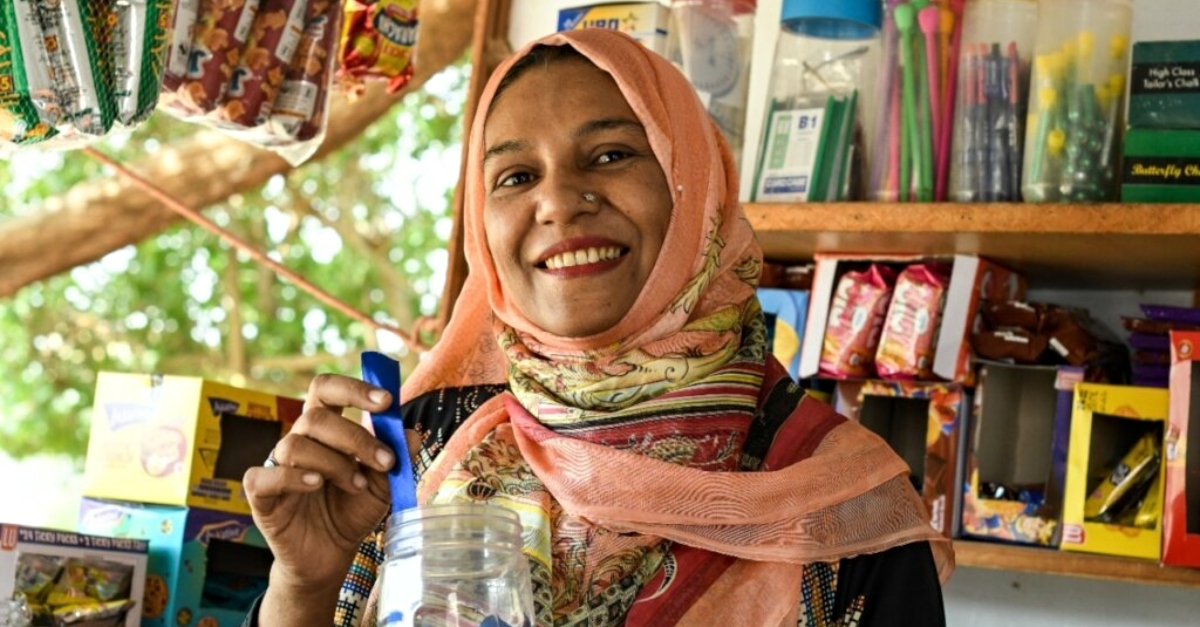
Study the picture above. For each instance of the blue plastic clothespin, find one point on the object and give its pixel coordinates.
(384, 372)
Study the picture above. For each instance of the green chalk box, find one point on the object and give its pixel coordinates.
(1161, 166)
(1164, 85)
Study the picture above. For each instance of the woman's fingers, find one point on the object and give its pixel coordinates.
(336, 392)
(265, 486)
(303, 451)
(342, 436)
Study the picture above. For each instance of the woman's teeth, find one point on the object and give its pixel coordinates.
(582, 257)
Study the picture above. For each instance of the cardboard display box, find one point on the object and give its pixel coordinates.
(1106, 422)
(972, 280)
(644, 21)
(785, 311)
(923, 422)
(32, 557)
(1019, 432)
(1161, 166)
(205, 567)
(1181, 504)
(1164, 85)
(180, 440)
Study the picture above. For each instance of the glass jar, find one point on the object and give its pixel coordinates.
(993, 99)
(711, 42)
(811, 149)
(456, 564)
(1077, 97)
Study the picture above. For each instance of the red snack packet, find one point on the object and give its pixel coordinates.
(855, 321)
(300, 108)
(273, 40)
(910, 327)
(221, 30)
(378, 37)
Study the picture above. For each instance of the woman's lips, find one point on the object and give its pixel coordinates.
(581, 256)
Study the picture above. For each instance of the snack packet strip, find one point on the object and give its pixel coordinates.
(273, 40)
(42, 71)
(183, 28)
(85, 30)
(300, 107)
(140, 46)
(20, 121)
(221, 31)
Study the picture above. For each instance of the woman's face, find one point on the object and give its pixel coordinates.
(573, 265)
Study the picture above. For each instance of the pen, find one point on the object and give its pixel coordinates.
(1015, 134)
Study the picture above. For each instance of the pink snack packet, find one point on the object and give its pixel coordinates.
(910, 328)
(855, 321)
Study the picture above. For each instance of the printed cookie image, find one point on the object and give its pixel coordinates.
(155, 599)
(163, 451)
(208, 621)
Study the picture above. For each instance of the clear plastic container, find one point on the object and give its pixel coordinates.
(455, 564)
(711, 42)
(910, 132)
(993, 99)
(825, 54)
(1077, 97)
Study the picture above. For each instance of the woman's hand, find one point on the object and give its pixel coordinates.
(328, 491)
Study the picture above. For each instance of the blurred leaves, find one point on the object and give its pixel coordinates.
(368, 223)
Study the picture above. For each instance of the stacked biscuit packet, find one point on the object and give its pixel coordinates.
(259, 70)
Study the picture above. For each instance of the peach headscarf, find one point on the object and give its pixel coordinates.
(851, 497)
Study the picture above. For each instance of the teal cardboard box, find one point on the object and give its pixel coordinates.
(205, 568)
(1161, 166)
(1164, 85)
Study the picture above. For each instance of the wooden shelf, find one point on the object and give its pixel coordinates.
(977, 554)
(1087, 246)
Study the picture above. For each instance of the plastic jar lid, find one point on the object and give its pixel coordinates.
(837, 19)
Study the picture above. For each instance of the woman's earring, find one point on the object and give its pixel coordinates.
(589, 197)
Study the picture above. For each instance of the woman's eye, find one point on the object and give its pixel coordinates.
(611, 156)
(513, 180)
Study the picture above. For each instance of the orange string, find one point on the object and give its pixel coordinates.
(233, 240)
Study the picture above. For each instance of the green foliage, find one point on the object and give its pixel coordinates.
(368, 223)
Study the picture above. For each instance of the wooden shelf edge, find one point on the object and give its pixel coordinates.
(1094, 219)
(977, 554)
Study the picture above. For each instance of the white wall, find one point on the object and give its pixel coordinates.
(977, 597)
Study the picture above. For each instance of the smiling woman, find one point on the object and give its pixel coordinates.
(605, 375)
(576, 204)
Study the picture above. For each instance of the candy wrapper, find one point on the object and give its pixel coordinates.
(910, 328)
(377, 42)
(1125, 487)
(855, 321)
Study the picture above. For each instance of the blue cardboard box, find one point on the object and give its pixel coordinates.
(786, 312)
(205, 568)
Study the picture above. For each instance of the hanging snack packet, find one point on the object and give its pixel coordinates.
(273, 41)
(40, 64)
(22, 120)
(183, 28)
(87, 74)
(140, 44)
(910, 328)
(300, 109)
(1126, 483)
(855, 321)
(221, 32)
(377, 42)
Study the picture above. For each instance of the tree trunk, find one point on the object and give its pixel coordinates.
(97, 218)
